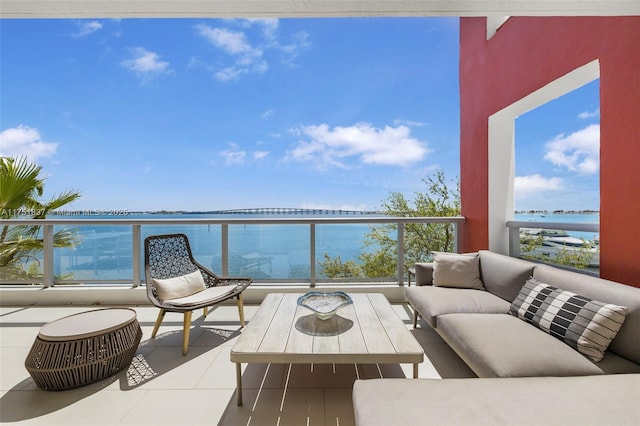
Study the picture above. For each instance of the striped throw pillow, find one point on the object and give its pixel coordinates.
(584, 324)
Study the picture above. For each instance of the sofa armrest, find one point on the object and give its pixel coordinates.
(424, 273)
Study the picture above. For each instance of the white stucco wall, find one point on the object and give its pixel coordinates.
(502, 149)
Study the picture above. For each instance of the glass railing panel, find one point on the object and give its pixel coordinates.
(19, 262)
(569, 245)
(100, 253)
(269, 251)
(339, 250)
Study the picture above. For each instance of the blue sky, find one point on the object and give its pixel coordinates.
(190, 114)
(558, 153)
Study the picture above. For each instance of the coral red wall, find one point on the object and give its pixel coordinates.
(526, 54)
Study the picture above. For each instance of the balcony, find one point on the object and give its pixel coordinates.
(163, 387)
(274, 393)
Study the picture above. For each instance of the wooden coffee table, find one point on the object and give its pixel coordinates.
(367, 332)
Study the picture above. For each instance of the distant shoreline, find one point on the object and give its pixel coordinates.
(335, 211)
(270, 210)
(244, 212)
(273, 211)
(557, 212)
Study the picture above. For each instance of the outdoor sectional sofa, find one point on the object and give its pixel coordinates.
(522, 330)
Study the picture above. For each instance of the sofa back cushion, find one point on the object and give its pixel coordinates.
(626, 341)
(502, 275)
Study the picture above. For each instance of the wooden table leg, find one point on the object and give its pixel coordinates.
(415, 371)
(239, 382)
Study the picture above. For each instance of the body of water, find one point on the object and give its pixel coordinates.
(268, 252)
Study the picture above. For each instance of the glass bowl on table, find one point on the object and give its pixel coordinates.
(324, 304)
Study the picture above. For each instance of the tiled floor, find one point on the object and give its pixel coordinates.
(164, 388)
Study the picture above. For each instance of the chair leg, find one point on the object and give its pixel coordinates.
(158, 322)
(415, 318)
(186, 331)
(241, 309)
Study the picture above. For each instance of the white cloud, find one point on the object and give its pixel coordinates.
(259, 155)
(246, 48)
(233, 155)
(268, 113)
(229, 73)
(589, 114)
(233, 42)
(269, 26)
(327, 147)
(194, 62)
(86, 28)
(25, 141)
(300, 41)
(146, 64)
(409, 123)
(524, 185)
(578, 152)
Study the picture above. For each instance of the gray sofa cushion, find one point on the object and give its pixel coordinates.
(431, 302)
(626, 342)
(505, 346)
(579, 401)
(502, 275)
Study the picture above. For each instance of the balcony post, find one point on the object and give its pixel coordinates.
(47, 255)
(312, 256)
(136, 233)
(514, 242)
(400, 254)
(225, 249)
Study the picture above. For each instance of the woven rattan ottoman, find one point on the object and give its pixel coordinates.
(83, 348)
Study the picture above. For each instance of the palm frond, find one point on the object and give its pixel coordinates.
(19, 182)
(21, 186)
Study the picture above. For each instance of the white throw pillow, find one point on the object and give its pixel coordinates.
(177, 287)
(457, 270)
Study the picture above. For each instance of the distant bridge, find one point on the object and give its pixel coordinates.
(294, 211)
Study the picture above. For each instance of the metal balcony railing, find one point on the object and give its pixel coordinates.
(589, 252)
(110, 251)
(515, 227)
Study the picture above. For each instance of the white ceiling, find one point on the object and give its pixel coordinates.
(310, 8)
